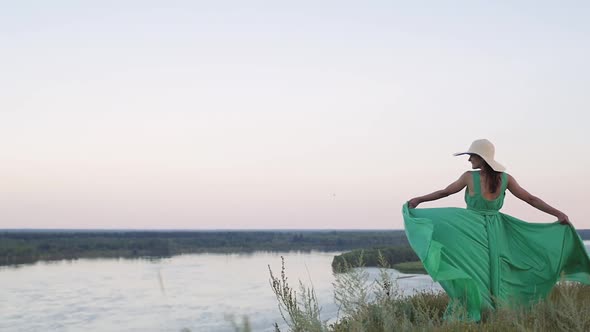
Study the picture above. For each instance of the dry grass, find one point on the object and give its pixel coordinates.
(566, 309)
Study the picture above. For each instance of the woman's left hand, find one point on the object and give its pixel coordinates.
(413, 203)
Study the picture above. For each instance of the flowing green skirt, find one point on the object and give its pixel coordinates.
(485, 259)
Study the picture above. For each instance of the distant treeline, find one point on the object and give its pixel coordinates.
(18, 247)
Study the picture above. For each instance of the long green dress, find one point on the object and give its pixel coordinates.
(484, 258)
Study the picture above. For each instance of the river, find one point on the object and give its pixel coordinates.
(198, 292)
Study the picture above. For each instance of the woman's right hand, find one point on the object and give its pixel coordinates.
(563, 219)
(413, 203)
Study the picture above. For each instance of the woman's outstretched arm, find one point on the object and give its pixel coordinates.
(449, 190)
(535, 201)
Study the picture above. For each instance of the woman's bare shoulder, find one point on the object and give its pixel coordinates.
(509, 177)
(467, 178)
(466, 175)
(510, 181)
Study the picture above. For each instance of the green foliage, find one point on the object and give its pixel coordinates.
(371, 257)
(410, 267)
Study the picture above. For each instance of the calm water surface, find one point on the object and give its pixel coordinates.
(201, 292)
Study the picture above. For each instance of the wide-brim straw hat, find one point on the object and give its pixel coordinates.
(486, 150)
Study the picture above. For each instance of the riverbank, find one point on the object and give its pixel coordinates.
(410, 267)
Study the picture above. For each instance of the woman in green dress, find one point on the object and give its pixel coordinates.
(484, 258)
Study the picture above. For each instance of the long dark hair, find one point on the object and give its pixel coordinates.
(494, 178)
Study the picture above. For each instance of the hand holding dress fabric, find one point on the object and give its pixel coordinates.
(413, 203)
(563, 219)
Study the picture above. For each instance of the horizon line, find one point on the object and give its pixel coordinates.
(199, 229)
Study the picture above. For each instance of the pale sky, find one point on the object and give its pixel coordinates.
(275, 114)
